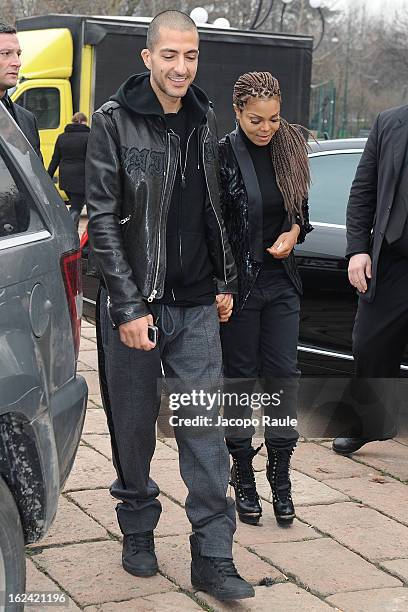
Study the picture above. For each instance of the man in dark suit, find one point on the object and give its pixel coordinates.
(377, 248)
(10, 63)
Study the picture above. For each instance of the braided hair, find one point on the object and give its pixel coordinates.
(288, 146)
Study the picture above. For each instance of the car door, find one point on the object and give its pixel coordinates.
(329, 302)
(34, 318)
(23, 307)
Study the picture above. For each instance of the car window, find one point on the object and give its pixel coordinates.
(332, 176)
(18, 214)
(44, 102)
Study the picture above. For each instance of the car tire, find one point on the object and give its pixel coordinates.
(12, 555)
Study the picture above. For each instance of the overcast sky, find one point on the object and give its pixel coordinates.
(377, 6)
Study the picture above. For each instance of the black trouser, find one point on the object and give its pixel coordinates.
(76, 202)
(260, 342)
(380, 336)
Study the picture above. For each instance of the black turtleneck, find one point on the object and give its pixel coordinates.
(272, 200)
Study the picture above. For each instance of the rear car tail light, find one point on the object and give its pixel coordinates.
(84, 239)
(71, 272)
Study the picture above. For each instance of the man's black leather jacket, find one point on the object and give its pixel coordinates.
(130, 170)
(242, 212)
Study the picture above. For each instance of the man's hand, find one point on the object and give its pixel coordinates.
(284, 244)
(359, 269)
(225, 303)
(134, 333)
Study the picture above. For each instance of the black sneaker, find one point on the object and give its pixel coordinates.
(138, 556)
(217, 576)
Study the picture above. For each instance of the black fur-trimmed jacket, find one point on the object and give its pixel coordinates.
(130, 170)
(242, 212)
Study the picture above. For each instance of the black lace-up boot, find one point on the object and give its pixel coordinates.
(217, 576)
(138, 556)
(247, 500)
(278, 475)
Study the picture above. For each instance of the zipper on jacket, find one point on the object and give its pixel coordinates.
(154, 290)
(183, 170)
(179, 204)
(213, 207)
(108, 306)
(183, 185)
(125, 220)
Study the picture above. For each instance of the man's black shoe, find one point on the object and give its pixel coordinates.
(217, 576)
(138, 556)
(346, 446)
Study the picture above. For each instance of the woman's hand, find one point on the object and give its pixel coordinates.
(284, 244)
(225, 303)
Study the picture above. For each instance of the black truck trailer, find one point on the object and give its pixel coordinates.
(75, 63)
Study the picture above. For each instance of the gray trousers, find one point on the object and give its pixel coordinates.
(189, 352)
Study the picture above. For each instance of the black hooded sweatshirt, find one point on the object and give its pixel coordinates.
(189, 271)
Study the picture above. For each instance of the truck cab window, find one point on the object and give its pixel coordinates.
(17, 213)
(44, 103)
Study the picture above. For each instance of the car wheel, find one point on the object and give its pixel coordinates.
(12, 555)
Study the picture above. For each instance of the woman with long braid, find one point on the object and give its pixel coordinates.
(265, 180)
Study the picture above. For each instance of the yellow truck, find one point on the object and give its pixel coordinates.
(75, 63)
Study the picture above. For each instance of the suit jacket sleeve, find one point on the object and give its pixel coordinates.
(362, 202)
(56, 158)
(28, 124)
(36, 144)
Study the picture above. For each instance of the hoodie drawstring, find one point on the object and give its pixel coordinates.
(165, 308)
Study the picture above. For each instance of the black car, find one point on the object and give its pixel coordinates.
(329, 302)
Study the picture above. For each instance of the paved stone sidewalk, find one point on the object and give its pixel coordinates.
(347, 550)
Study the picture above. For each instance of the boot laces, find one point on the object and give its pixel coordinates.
(142, 541)
(245, 475)
(281, 472)
(225, 567)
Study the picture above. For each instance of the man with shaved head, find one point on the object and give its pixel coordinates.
(157, 233)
